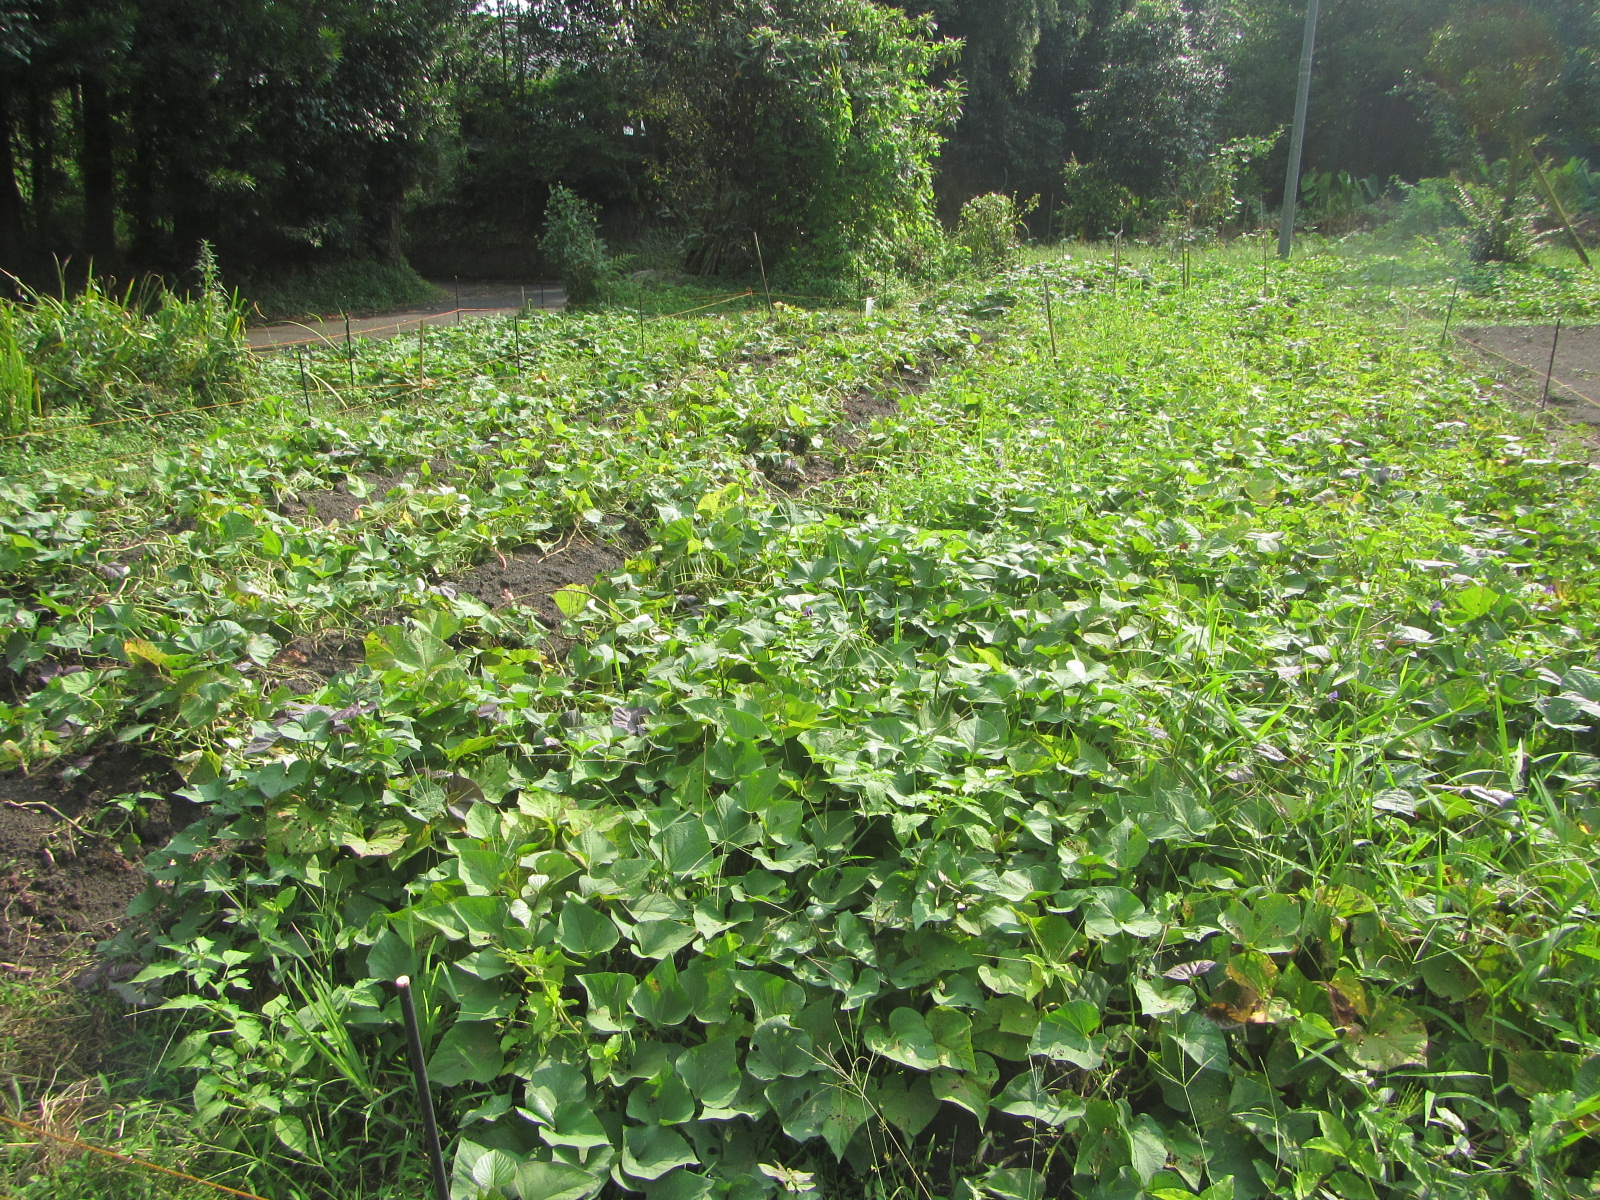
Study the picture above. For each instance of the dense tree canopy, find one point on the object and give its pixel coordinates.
(284, 130)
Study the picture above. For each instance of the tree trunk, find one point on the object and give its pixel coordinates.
(99, 174)
(13, 228)
(42, 161)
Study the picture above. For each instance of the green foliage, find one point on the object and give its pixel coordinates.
(1169, 763)
(362, 285)
(988, 232)
(20, 401)
(1151, 111)
(573, 245)
(1094, 205)
(812, 124)
(1497, 229)
(145, 349)
(1209, 192)
(1427, 208)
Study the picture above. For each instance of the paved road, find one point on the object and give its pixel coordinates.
(479, 298)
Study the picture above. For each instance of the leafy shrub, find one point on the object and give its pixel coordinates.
(1493, 233)
(1427, 208)
(1336, 202)
(573, 244)
(1095, 204)
(1208, 191)
(987, 230)
(1577, 185)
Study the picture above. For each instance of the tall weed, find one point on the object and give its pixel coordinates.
(144, 348)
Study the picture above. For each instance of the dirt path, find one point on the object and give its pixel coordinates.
(479, 298)
(1575, 380)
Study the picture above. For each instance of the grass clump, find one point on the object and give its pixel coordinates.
(355, 286)
(103, 354)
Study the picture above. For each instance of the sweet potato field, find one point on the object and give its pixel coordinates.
(947, 753)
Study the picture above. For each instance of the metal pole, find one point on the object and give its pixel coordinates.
(1450, 312)
(1551, 369)
(458, 299)
(1297, 139)
(419, 1075)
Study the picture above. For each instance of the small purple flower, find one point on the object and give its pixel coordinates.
(1436, 606)
(1334, 694)
(807, 611)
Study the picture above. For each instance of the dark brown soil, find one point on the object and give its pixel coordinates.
(884, 402)
(64, 881)
(336, 504)
(530, 577)
(309, 662)
(1525, 349)
(867, 406)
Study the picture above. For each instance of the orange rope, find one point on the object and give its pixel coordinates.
(125, 1158)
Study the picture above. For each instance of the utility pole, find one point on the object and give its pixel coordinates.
(1297, 138)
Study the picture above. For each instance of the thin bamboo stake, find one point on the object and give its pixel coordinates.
(1450, 312)
(760, 262)
(1551, 369)
(1049, 313)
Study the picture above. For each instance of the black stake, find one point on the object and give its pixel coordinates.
(349, 350)
(1116, 263)
(1049, 314)
(762, 264)
(458, 299)
(1551, 369)
(1450, 312)
(422, 348)
(419, 1073)
(305, 386)
(541, 297)
(516, 339)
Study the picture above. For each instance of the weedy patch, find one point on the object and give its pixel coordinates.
(1170, 769)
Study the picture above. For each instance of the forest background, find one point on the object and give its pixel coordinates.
(304, 135)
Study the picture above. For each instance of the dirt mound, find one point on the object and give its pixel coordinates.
(65, 882)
